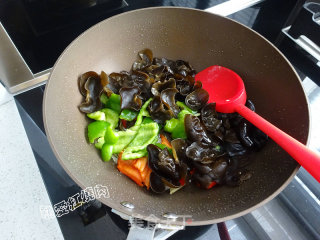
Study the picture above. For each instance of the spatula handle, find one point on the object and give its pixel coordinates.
(303, 155)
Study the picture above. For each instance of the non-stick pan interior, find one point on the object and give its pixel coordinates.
(203, 39)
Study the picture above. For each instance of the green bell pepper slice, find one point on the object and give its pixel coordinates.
(143, 112)
(99, 142)
(171, 125)
(182, 114)
(147, 134)
(179, 131)
(107, 115)
(114, 103)
(176, 126)
(135, 139)
(106, 152)
(128, 115)
(104, 98)
(111, 137)
(98, 116)
(111, 117)
(96, 130)
(144, 137)
(125, 137)
(134, 155)
(183, 106)
(147, 120)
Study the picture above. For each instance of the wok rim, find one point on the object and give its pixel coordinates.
(118, 207)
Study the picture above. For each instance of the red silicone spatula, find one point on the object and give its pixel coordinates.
(227, 90)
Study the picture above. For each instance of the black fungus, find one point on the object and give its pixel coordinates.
(197, 99)
(250, 105)
(179, 147)
(195, 130)
(168, 98)
(167, 165)
(199, 152)
(162, 163)
(197, 85)
(185, 84)
(219, 168)
(209, 117)
(159, 86)
(92, 88)
(143, 81)
(235, 149)
(244, 129)
(156, 183)
(145, 60)
(130, 98)
(117, 81)
(82, 80)
(158, 112)
(259, 138)
(104, 79)
(203, 180)
(231, 136)
(202, 168)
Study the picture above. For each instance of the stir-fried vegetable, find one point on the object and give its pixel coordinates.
(125, 137)
(176, 126)
(129, 110)
(107, 115)
(114, 103)
(106, 151)
(128, 115)
(136, 169)
(97, 130)
(147, 134)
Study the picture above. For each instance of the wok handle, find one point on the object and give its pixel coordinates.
(141, 233)
(307, 158)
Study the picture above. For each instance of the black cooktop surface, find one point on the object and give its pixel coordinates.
(41, 29)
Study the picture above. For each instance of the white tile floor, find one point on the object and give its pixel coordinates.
(4, 95)
(314, 100)
(22, 191)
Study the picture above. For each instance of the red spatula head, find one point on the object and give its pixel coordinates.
(224, 86)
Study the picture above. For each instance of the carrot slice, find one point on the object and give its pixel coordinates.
(145, 172)
(146, 180)
(126, 167)
(132, 173)
(140, 163)
(165, 141)
(136, 169)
